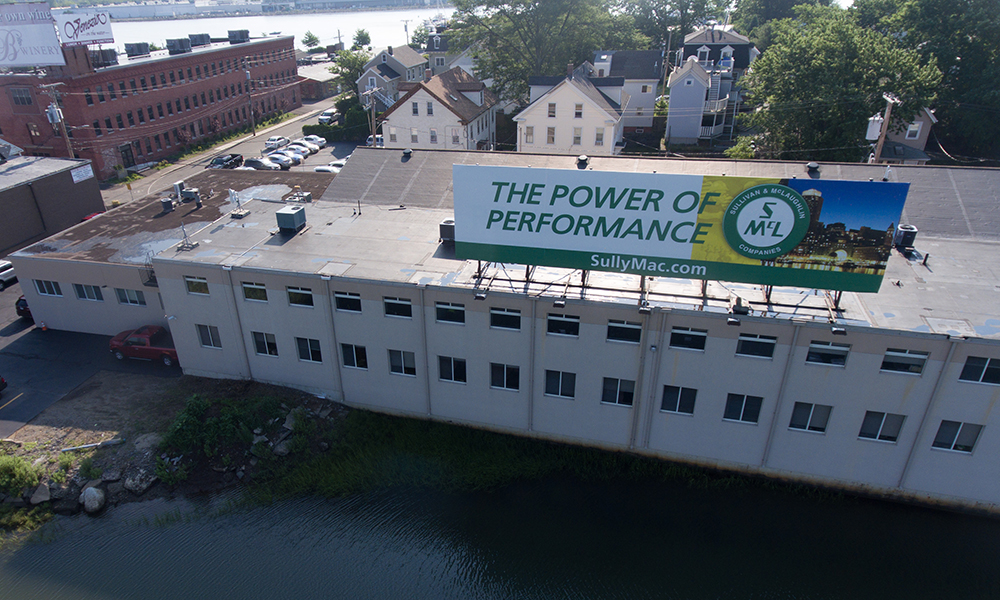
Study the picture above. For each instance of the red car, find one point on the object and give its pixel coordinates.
(149, 342)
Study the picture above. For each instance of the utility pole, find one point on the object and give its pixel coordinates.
(371, 104)
(406, 29)
(55, 114)
(890, 99)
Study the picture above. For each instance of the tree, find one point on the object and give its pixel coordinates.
(822, 79)
(671, 20)
(755, 18)
(362, 39)
(516, 39)
(349, 67)
(310, 40)
(419, 38)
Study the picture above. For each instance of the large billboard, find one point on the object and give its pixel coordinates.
(809, 233)
(28, 37)
(86, 28)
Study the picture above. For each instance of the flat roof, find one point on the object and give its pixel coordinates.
(161, 55)
(20, 170)
(403, 201)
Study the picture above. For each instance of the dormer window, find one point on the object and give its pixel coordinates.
(384, 57)
(727, 52)
(703, 54)
(913, 131)
(437, 42)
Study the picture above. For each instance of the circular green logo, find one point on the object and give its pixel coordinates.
(766, 221)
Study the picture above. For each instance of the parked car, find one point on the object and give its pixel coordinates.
(327, 169)
(225, 161)
(276, 141)
(340, 163)
(7, 275)
(301, 149)
(21, 308)
(283, 161)
(304, 142)
(329, 117)
(149, 342)
(315, 139)
(378, 141)
(295, 157)
(92, 215)
(3, 384)
(261, 164)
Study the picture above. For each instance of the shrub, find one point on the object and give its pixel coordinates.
(17, 473)
(88, 470)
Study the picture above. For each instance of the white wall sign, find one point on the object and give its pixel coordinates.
(86, 28)
(82, 173)
(28, 36)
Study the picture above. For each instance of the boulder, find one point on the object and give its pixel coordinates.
(92, 500)
(115, 488)
(290, 422)
(281, 449)
(66, 506)
(41, 494)
(111, 475)
(139, 482)
(90, 484)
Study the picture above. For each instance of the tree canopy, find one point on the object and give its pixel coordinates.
(362, 39)
(419, 38)
(821, 80)
(348, 67)
(516, 39)
(658, 19)
(310, 40)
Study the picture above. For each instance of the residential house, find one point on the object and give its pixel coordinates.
(643, 70)
(453, 111)
(905, 147)
(385, 71)
(704, 88)
(576, 114)
(437, 53)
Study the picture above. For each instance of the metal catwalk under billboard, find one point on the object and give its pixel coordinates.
(808, 233)
(28, 36)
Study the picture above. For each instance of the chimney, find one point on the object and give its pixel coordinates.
(427, 75)
(390, 50)
(569, 69)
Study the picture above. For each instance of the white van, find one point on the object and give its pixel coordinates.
(6, 273)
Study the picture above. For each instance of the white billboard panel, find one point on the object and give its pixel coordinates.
(86, 28)
(28, 36)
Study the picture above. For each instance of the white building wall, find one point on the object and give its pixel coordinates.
(640, 102)
(443, 121)
(566, 98)
(687, 103)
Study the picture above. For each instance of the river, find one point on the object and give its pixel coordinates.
(386, 27)
(543, 540)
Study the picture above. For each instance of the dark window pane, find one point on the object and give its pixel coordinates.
(687, 400)
(973, 370)
(751, 412)
(870, 426)
(734, 407)
(800, 415)
(946, 434)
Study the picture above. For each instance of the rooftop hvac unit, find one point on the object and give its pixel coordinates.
(446, 230)
(137, 49)
(103, 58)
(291, 219)
(905, 236)
(239, 36)
(166, 204)
(178, 46)
(200, 39)
(178, 188)
(189, 194)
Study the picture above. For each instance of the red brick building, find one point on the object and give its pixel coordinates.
(148, 107)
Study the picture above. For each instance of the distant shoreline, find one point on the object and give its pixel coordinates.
(188, 17)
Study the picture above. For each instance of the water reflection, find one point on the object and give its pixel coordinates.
(545, 540)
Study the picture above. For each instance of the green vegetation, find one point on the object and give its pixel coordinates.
(21, 520)
(356, 127)
(349, 66)
(66, 461)
(310, 40)
(362, 39)
(16, 474)
(88, 470)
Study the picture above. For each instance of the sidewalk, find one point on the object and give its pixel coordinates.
(122, 195)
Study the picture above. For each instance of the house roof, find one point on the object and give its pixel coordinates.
(386, 71)
(408, 57)
(715, 36)
(899, 151)
(587, 86)
(690, 67)
(442, 45)
(634, 64)
(319, 72)
(447, 89)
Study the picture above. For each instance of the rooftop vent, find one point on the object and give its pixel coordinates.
(103, 58)
(137, 49)
(178, 46)
(167, 205)
(582, 161)
(291, 219)
(200, 39)
(812, 167)
(905, 236)
(239, 36)
(446, 230)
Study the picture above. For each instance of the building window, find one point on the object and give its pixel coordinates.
(904, 361)
(121, 86)
(392, 134)
(47, 288)
(256, 292)
(563, 325)
(142, 84)
(953, 435)
(133, 297)
(434, 136)
(678, 399)
(149, 111)
(624, 331)
(414, 136)
(88, 292)
(100, 94)
(451, 369)
(439, 61)
(90, 99)
(402, 362)
(685, 337)
(159, 109)
(550, 135)
(299, 296)
(354, 356)
(561, 384)
(131, 84)
(415, 106)
(454, 136)
(810, 417)
(577, 136)
(552, 109)
(265, 344)
(347, 301)
(111, 91)
(881, 426)
(913, 131)
(97, 129)
(529, 134)
(450, 312)
(309, 350)
(618, 391)
(34, 130)
(645, 89)
(828, 353)
(107, 124)
(209, 336)
(599, 137)
(981, 370)
(505, 377)
(397, 307)
(742, 408)
(21, 96)
(578, 111)
(430, 109)
(118, 119)
(505, 318)
(752, 344)
(196, 285)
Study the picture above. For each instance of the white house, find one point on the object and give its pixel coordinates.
(642, 71)
(576, 114)
(386, 70)
(453, 111)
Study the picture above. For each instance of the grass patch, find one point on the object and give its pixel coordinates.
(22, 520)
(16, 473)
(66, 461)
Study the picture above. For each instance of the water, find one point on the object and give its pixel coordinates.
(553, 539)
(384, 26)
